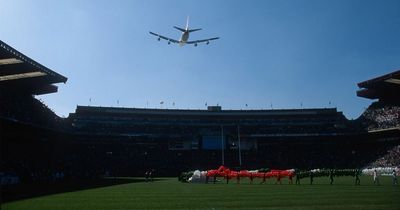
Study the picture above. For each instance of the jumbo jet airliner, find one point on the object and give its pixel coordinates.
(185, 36)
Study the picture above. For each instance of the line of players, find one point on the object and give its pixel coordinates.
(290, 177)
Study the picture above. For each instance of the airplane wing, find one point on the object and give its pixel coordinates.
(201, 40)
(164, 37)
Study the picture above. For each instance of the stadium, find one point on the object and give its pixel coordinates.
(39, 148)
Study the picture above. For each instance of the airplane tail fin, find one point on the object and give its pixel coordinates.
(187, 23)
(187, 27)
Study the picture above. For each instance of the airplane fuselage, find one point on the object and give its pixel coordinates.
(184, 38)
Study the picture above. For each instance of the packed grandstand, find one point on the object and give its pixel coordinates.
(39, 146)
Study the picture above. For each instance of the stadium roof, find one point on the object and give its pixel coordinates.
(383, 87)
(19, 73)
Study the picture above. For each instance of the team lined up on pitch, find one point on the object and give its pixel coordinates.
(264, 174)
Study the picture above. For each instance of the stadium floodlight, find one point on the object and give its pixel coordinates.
(7, 61)
(23, 75)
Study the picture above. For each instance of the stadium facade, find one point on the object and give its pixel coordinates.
(95, 141)
(208, 129)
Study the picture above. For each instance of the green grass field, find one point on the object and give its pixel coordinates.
(168, 193)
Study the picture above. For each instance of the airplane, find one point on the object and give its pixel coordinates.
(185, 36)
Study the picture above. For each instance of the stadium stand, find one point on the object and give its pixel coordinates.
(37, 146)
(382, 117)
(384, 113)
(20, 79)
(29, 129)
(272, 123)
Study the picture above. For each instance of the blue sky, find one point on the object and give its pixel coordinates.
(284, 53)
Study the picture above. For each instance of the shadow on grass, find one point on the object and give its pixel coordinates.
(31, 190)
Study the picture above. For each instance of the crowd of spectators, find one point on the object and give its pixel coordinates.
(390, 159)
(9, 179)
(381, 116)
(27, 173)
